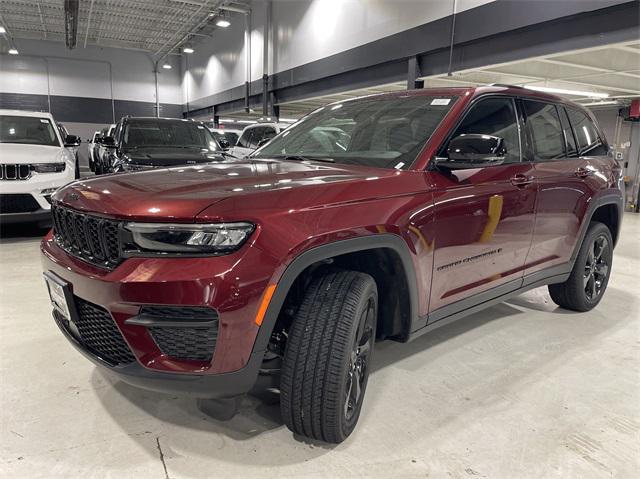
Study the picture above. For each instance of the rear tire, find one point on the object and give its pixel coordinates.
(328, 355)
(590, 275)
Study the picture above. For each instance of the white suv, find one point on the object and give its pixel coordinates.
(254, 136)
(34, 163)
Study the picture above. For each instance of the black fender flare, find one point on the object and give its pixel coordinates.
(330, 250)
(612, 197)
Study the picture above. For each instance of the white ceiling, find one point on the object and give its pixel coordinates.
(612, 69)
(150, 25)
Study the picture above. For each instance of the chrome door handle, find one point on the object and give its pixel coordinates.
(521, 180)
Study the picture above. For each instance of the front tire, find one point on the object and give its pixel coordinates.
(328, 355)
(590, 275)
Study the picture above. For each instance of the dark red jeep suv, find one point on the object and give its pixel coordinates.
(376, 218)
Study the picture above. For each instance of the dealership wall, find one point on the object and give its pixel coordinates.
(303, 31)
(312, 38)
(86, 88)
(90, 85)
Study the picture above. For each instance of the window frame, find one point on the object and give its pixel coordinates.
(465, 113)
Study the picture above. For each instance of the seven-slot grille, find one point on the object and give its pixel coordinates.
(91, 238)
(99, 333)
(15, 172)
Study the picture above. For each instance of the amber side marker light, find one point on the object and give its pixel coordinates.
(264, 304)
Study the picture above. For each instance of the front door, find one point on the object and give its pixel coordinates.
(484, 217)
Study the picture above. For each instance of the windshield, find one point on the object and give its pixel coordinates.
(167, 134)
(29, 130)
(381, 132)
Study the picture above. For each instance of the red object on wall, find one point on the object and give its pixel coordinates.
(634, 109)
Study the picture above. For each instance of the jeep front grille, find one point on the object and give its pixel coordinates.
(92, 239)
(15, 172)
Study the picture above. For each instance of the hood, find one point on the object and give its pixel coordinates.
(165, 157)
(179, 194)
(17, 153)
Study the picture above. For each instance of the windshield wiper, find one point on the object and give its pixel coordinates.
(306, 158)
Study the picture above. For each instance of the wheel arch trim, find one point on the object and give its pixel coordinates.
(330, 250)
(610, 198)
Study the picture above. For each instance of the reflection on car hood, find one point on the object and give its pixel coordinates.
(182, 192)
(164, 157)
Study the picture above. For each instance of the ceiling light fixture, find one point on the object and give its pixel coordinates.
(188, 48)
(562, 91)
(2, 29)
(13, 51)
(223, 22)
(166, 66)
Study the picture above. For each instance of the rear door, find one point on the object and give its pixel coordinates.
(484, 217)
(562, 169)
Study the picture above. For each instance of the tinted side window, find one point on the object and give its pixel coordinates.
(269, 133)
(495, 117)
(589, 141)
(572, 149)
(546, 133)
(245, 139)
(260, 132)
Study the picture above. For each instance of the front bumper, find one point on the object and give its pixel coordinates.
(193, 385)
(41, 216)
(37, 183)
(232, 285)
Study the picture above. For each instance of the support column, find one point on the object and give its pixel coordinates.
(413, 73)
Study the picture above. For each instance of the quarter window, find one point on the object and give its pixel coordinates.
(589, 141)
(546, 132)
(495, 117)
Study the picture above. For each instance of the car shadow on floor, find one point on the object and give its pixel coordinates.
(259, 413)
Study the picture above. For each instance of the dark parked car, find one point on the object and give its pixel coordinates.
(138, 143)
(101, 151)
(428, 206)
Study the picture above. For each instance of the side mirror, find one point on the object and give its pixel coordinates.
(72, 140)
(264, 141)
(224, 143)
(108, 141)
(473, 151)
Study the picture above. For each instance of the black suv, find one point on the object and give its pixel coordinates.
(140, 143)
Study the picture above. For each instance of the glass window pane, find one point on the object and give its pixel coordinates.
(589, 141)
(495, 117)
(381, 132)
(546, 131)
(27, 130)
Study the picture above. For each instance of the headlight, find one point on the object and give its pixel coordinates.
(220, 238)
(48, 167)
